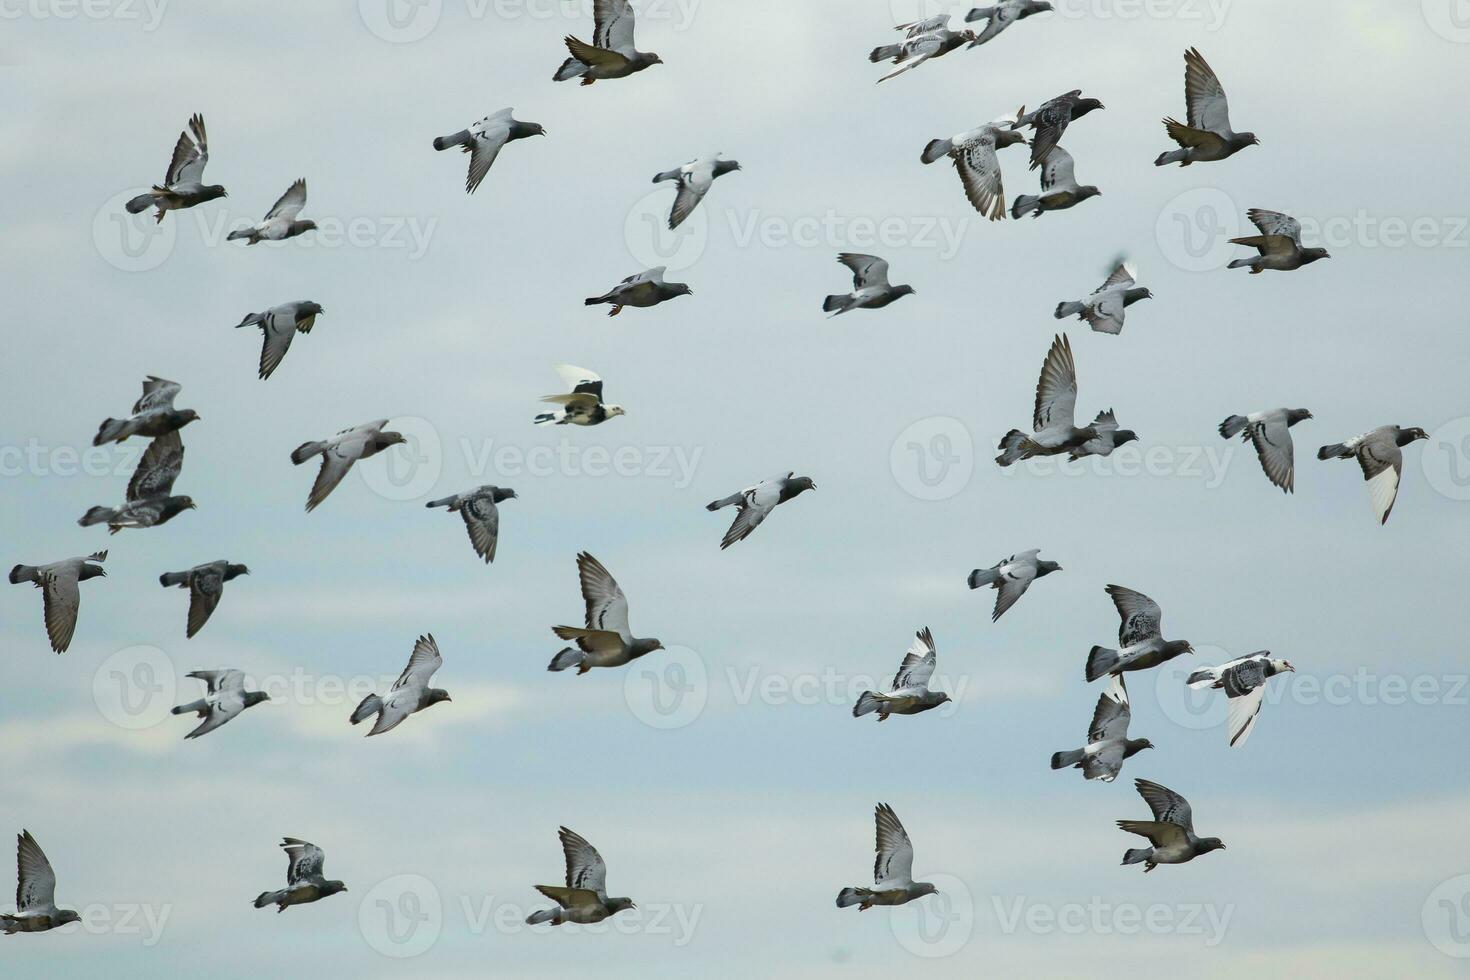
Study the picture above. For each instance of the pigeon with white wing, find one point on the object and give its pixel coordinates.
(612, 53)
(150, 498)
(339, 453)
(642, 290)
(1002, 15)
(304, 879)
(483, 140)
(1244, 684)
(1059, 187)
(1171, 831)
(1279, 244)
(35, 892)
(61, 594)
(893, 869)
(870, 287)
(183, 184)
(225, 697)
(1108, 743)
(975, 160)
(281, 221)
(606, 640)
(1053, 420)
(278, 326)
(206, 584)
(153, 415)
(1380, 453)
(909, 693)
(756, 503)
(1140, 644)
(1270, 433)
(410, 693)
(1104, 309)
(481, 515)
(584, 899)
(583, 405)
(1208, 136)
(1011, 577)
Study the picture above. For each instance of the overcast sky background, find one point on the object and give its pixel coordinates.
(725, 781)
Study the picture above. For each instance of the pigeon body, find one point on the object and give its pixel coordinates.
(1380, 454)
(150, 498)
(1108, 743)
(279, 326)
(206, 584)
(1279, 244)
(1059, 187)
(756, 503)
(583, 405)
(1104, 309)
(410, 693)
(1011, 577)
(1208, 135)
(1002, 15)
(1270, 433)
(35, 892)
(694, 179)
(606, 640)
(909, 693)
(280, 222)
(612, 53)
(1053, 419)
(340, 452)
(1141, 645)
(153, 415)
(893, 870)
(1244, 684)
(183, 184)
(1171, 831)
(584, 899)
(304, 880)
(484, 139)
(870, 288)
(975, 160)
(60, 592)
(1051, 120)
(225, 697)
(643, 290)
(923, 41)
(481, 516)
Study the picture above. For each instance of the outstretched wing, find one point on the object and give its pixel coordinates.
(585, 867)
(1274, 223)
(580, 380)
(918, 664)
(219, 680)
(1111, 716)
(1141, 616)
(35, 887)
(1167, 805)
(1383, 466)
(158, 469)
(895, 861)
(979, 170)
(482, 520)
(291, 202)
(1059, 169)
(206, 585)
(1208, 108)
(607, 607)
(1056, 391)
(614, 25)
(1272, 440)
(303, 861)
(190, 156)
(158, 393)
(422, 663)
(867, 270)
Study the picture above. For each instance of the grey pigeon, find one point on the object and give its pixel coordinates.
(340, 452)
(974, 156)
(607, 640)
(150, 499)
(909, 693)
(279, 325)
(206, 584)
(280, 222)
(1002, 15)
(870, 288)
(1011, 577)
(35, 892)
(893, 870)
(1059, 187)
(60, 592)
(1108, 743)
(1051, 120)
(1053, 419)
(756, 503)
(611, 53)
(1208, 136)
(1270, 433)
(153, 415)
(410, 693)
(1280, 244)
(1104, 309)
(481, 518)
(484, 139)
(304, 880)
(584, 900)
(1171, 831)
(643, 290)
(923, 40)
(224, 698)
(183, 184)
(1380, 454)
(1138, 637)
(583, 405)
(694, 179)
(1244, 684)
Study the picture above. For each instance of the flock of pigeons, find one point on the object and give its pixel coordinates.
(605, 640)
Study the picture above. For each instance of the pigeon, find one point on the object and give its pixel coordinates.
(1138, 636)
(1011, 577)
(643, 290)
(893, 881)
(304, 881)
(974, 156)
(481, 519)
(483, 140)
(924, 39)
(1270, 433)
(1059, 189)
(870, 288)
(153, 415)
(279, 325)
(280, 222)
(60, 593)
(1055, 432)
(909, 693)
(225, 697)
(340, 452)
(1003, 15)
(1171, 831)
(206, 583)
(694, 179)
(35, 892)
(607, 641)
(1380, 454)
(756, 503)
(1244, 684)
(1104, 309)
(583, 405)
(1108, 743)
(611, 53)
(1051, 121)
(183, 184)
(1280, 244)
(150, 500)
(584, 900)
(410, 693)
(1208, 136)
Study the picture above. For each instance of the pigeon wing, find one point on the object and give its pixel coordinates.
(1013, 584)
(1383, 467)
(1141, 616)
(290, 204)
(607, 607)
(1209, 110)
(62, 597)
(1111, 716)
(158, 469)
(190, 156)
(979, 170)
(918, 664)
(1060, 170)
(1056, 391)
(1274, 223)
(867, 270)
(580, 380)
(158, 393)
(422, 663)
(482, 520)
(216, 681)
(895, 860)
(484, 148)
(615, 22)
(303, 861)
(35, 888)
(1272, 440)
(585, 867)
(1167, 805)
(206, 586)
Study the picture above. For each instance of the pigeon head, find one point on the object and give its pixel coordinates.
(434, 695)
(1282, 667)
(182, 417)
(332, 888)
(309, 309)
(1083, 193)
(1174, 648)
(234, 571)
(924, 888)
(255, 697)
(616, 905)
(679, 289)
(800, 484)
(1046, 568)
(899, 291)
(1208, 844)
(1138, 745)
(176, 505)
(1008, 137)
(969, 36)
(386, 439)
(65, 916)
(91, 571)
(503, 493)
(1134, 295)
(1124, 436)
(210, 192)
(641, 648)
(520, 130)
(1035, 7)
(615, 410)
(1313, 254)
(1242, 140)
(1407, 436)
(723, 167)
(300, 228)
(1084, 106)
(1295, 415)
(644, 59)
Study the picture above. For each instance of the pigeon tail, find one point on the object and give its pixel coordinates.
(1242, 263)
(729, 501)
(1233, 426)
(1100, 662)
(111, 430)
(982, 577)
(1063, 760)
(547, 418)
(835, 304)
(666, 175)
(269, 898)
(140, 203)
(849, 897)
(979, 13)
(200, 707)
(870, 702)
(1176, 156)
(1137, 855)
(97, 515)
(370, 706)
(1335, 451)
(594, 300)
(1065, 310)
(461, 138)
(1013, 448)
(1204, 677)
(571, 68)
(23, 573)
(240, 233)
(1025, 204)
(936, 150)
(173, 578)
(885, 52)
(543, 915)
(443, 502)
(570, 657)
(307, 450)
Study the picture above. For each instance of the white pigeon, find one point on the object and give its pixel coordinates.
(410, 693)
(909, 693)
(1244, 684)
(35, 892)
(280, 222)
(279, 326)
(225, 697)
(1105, 307)
(583, 405)
(893, 870)
(695, 179)
(611, 53)
(1059, 187)
(483, 140)
(340, 452)
(974, 156)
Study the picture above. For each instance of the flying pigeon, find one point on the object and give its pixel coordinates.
(923, 40)
(893, 881)
(60, 593)
(694, 179)
(607, 641)
(183, 184)
(481, 518)
(150, 501)
(1108, 743)
(1270, 433)
(583, 405)
(643, 290)
(304, 881)
(1380, 454)
(1059, 188)
(611, 53)
(206, 583)
(1280, 244)
(1011, 577)
(279, 325)
(756, 503)
(1051, 121)
(153, 415)
(1138, 636)
(410, 693)
(1171, 831)
(1104, 309)
(909, 693)
(1244, 684)
(1208, 136)
(280, 222)
(225, 697)
(483, 140)
(340, 452)
(870, 288)
(584, 899)
(1003, 15)
(974, 156)
(35, 892)
(1055, 431)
